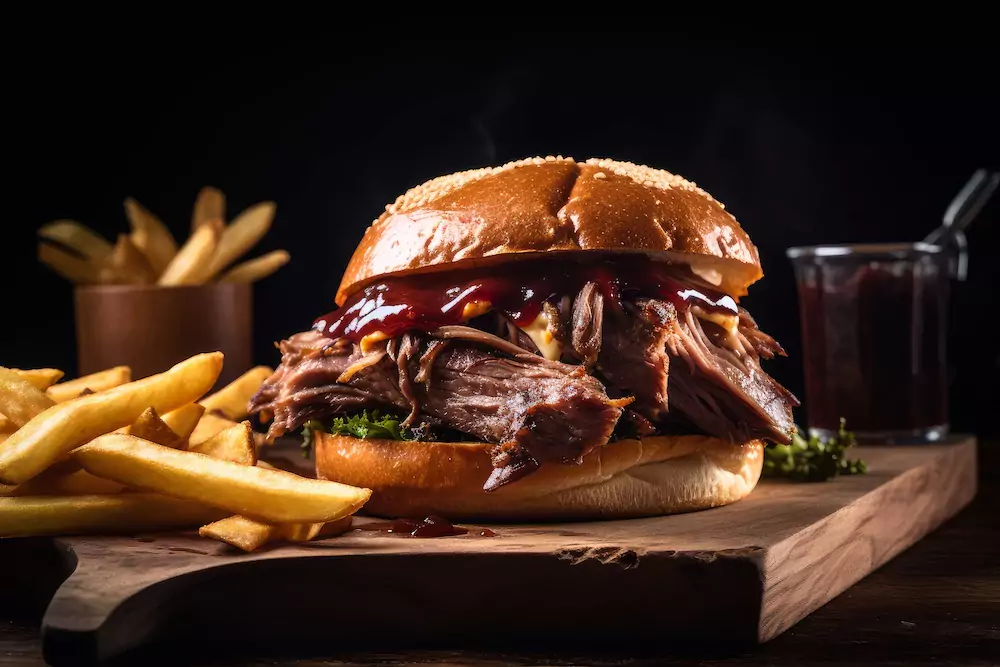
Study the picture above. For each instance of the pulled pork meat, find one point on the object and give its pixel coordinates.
(629, 369)
(537, 411)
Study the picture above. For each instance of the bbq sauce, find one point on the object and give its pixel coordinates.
(427, 302)
(875, 345)
(432, 526)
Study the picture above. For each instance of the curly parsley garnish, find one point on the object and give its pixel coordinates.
(813, 459)
(363, 425)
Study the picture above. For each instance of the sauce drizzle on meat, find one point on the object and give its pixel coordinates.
(426, 303)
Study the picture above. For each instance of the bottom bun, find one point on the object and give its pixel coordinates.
(624, 479)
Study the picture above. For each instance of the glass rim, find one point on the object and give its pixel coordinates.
(889, 250)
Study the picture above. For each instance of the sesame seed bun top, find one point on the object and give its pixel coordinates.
(554, 204)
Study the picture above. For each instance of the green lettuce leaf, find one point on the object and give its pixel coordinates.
(362, 425)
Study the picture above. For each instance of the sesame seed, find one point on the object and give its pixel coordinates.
(436, 188)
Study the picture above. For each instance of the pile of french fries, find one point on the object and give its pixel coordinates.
(149, 254)
(105, 454)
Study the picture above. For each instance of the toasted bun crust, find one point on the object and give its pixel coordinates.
(541, 205)
(624, 479)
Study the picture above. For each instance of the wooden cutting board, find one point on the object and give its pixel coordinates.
(745, 573)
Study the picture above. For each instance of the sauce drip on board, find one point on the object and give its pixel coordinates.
(429, 301)
(432, 526)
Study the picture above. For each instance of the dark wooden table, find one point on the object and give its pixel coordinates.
(937, 603)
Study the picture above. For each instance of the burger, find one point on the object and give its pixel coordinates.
(543, 340)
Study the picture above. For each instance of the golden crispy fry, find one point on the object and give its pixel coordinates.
(64, 426)
(192, 263)
(210, 205)
(243, 233)
(69, 266)
(305, 532)
(208, 427)
(240, 532)
(233, 399)
(95, 382)
(150, 427)
(53, 482)
(127, 265)
(250, 535)
(150, 236)
(266, 495)
(255, 269)
(334, 528)
(20, 400)
(40, 378)
(121, 513)
(79, 238)
(234, 444)
(183, 421)
(265, 464)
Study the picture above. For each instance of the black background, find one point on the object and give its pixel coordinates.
(803, 145)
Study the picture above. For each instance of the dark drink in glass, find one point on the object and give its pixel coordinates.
(874, 337)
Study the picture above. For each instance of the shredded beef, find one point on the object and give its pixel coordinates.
(535, 410)
(721, 388)
(588, 323)
(676, 372)
(633, 360)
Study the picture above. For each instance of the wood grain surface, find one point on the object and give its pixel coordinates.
(866, 520)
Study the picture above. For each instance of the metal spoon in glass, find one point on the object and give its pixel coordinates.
(960, 213)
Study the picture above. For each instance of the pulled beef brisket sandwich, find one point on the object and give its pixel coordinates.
(555, 340)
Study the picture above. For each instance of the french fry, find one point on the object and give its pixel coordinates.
(53, 482)
(20, 400)
(183, 421)
(121, 513)
(208, 427)
(233, 399)
(334, 528)
(40, 378)
(64, 426)
(265, 495)
(150, 236)
(266, 465)
(69, 266)
(209, 205)
(127, 264)
(255, 269)
(192, 263)
(241, 532)
(150, 427)
(306, 532)
(79, 238)
(250, 535)
(95, 382)
(242, 234)
(234, 444)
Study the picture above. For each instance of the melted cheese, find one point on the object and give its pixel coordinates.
(728, 322)
(538, 331)
(371, 341)
(475, 309)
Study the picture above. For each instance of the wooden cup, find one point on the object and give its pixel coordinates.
(151, 328)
